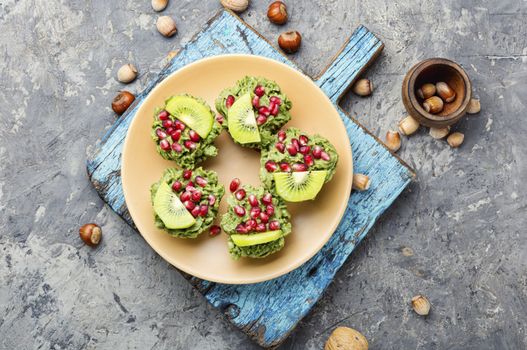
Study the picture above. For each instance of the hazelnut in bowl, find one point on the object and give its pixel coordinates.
(436, 92)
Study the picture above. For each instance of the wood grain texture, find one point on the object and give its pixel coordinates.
(259, 309)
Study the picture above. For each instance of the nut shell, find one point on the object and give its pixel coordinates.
(235, 5)
(159, 5)
(362, 87)
(433, 105)
(474, 106)
(290, 41)
(91, 234)
(122, 101)
(439, 133)
(445, 92)
(421, 305)
(361, 182)
(127, 73)
(393, 140)
(345, 338)
(166, 26)
(277, 12)
(426, 91)
(408, 126)
(455, 139)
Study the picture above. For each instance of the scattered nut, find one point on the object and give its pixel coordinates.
(407, 251)
(122, 101)
(408, 126)
(361, 182)
(91, 234)
(127, 73)
(445, 92)
(277, 12)
(421, 305)
(159, 5)
(426, 91)
(362, 87)
(166, 26)
(344, 338)
(439, 133)
(455, 139)
(473, 106)
(290, 41)
(433, 105)
(393, 140)
(235, 5)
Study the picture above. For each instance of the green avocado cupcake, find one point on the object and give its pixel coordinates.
(186, 201)
(184, 130)
(254, 109)
(256, 223)
(296, 165)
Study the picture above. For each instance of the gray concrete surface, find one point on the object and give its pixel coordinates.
(464, 218)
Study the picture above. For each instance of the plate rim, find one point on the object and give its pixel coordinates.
(260, 278)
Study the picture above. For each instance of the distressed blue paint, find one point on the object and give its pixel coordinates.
(259, 309)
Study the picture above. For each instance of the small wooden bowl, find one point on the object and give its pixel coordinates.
(433, 70)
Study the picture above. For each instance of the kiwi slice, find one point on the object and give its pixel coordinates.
(192, 112)
(242, 122)
(169, 208)
(299, 186)
(257, 238)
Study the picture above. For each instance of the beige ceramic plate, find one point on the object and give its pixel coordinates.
(313, 222)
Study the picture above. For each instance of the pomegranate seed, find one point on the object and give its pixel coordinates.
(264, 217)
(267, 199)
(253, 201)
(229, 101)
(256, 101)
(261, 119)
(264, 111)
(274, 225)
(282, 136)
(189, 204)
(170, 130)
(187, 174)
(176, 135)
(305, 149)
(270, 166)
(212, 200)
(189, 144)
(308, 160)
(280, 147)
(296, 144)
(220, 119)
(284, 166)
(191, 185)
(167, 123)
(325, 156)
(214, 230)
(191, 189)
(251, 224)
(177, 147)
(239, 210)
(241, 228)
(165, 146)
(259, 90)
(200, 181)
(275, 100)
(193, 136)
(161, 134)
(317, 152)
(303, 140)
(269, 209)
(240, 194)
(274, 109)
(255, 212)
(179, 125)
(196, 196)
(260, 227)
(299, 167)
(196, 211)
(163, 115)
(176, 186)
(203, 210)
(235, 183)
(185, 196)
(291, 149)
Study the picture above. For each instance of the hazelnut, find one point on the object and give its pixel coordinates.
(362, 87)
(235, 5)
(393, 140)
(473, 106)
(426, 91)
(361, 182)
(290, 41)
(127, 73)
(91, 234)
(439, 133)
(344, 338)
(433, 105)
(122, 101)
(455, 139)
(445, 92)
(166, 26)
(408, 126)
(421, 305)
(159, 5)
(277, 12)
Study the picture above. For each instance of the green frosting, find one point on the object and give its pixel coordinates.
(230, 220)
(188, 158)
(273, 124)
(213, 187)
(271, 153)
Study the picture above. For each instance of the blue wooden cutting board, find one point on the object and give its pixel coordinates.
(269, 311)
